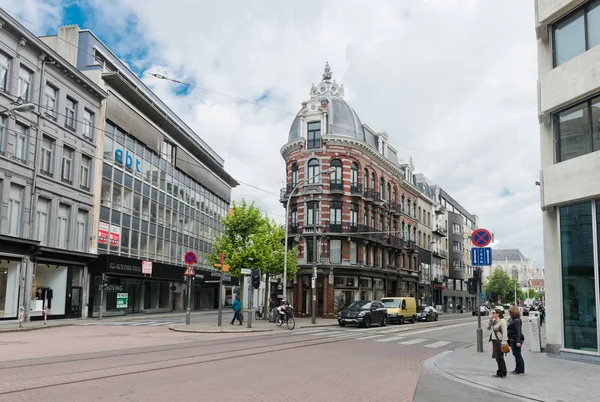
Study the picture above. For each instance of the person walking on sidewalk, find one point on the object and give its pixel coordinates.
(516, 338)
(237, 309)
(499, 339)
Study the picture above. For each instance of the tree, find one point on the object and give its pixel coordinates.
(251, 240)
(501, 286)
(532, 294)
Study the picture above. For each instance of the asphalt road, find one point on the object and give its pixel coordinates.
(151, 363)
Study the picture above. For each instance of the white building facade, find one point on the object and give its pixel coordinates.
(568, 112)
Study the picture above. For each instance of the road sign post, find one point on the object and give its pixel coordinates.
(314, 294)
(480, 256)
(220, 315)
(189, 273)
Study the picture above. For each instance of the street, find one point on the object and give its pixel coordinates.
(152, 363)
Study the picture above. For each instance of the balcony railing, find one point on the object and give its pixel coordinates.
(440, 253)
(313, 143)
(293, 229)
(395, 208)
(336, 185)
(371, 194)
(440, 231)
(395, 241)
(284, 193)
(356, 189)
(410, 245)
(335, 228)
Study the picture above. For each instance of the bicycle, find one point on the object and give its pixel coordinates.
(258, 313)
(289, 318)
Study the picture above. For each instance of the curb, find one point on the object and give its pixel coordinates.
(27, 329)
(317, 326)
(219, 331)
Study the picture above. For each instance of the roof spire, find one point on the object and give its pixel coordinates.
(327, 73)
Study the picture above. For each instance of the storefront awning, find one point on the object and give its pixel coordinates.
(63, 256)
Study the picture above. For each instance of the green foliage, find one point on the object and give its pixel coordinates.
(249, 235)
(501, 286)
(532, 294)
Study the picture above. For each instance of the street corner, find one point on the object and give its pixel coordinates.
(16, 328)
(216, 330)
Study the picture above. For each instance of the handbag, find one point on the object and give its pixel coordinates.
(504, 349)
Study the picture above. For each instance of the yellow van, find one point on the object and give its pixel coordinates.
(400, 309)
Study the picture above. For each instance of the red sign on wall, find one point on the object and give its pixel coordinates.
(115, 235)
(103, 233)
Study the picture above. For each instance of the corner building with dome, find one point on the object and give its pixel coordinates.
(356, 221)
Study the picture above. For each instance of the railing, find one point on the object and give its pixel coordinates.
(395, 208)
(336, 185)
(395, 241)
(335, 228)
(371, 194)
(284, 193)
(356, 189)
(440, 253)
(411, 245)
(441, 231)
(293, 229)
(46, 173)
(313, 143)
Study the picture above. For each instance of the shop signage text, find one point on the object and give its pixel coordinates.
(122, 300)
(147, 267)
(112, 288)
(124, 268)
(128, 162)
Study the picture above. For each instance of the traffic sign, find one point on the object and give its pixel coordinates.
(481, 256)
(246, 271)
(226, 277)
(481, 237)
(189, 258)
(122, 300)
(189, 271)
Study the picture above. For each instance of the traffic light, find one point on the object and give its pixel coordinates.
(255, 278)
(105, 281)
(472, 286)
(477, 275)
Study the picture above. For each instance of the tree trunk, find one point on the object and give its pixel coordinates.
(266, 301)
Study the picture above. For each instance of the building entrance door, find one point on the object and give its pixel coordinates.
(75, 310)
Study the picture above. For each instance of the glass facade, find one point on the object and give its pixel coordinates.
(576, 33)
(151, 209)
(579, 280)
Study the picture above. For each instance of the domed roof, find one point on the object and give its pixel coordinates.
(343, 120)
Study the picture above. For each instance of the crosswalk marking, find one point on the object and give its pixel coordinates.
(412, 341)
(312, 331)
(370, 337)
(437, 344)
(390, 339)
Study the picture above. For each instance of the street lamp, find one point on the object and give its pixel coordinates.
(287, 213)
(23, 108)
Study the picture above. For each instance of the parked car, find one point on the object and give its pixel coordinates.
(400, 309)
(426, 313)
(483, 310)
(363, 313)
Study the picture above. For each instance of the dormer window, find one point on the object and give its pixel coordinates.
(314, 135)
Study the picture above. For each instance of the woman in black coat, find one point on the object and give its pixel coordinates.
(516, 338)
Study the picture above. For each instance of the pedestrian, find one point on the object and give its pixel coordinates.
(499, 339)
(542, 311)
(237, 308)
(516, 338)
(271, 309)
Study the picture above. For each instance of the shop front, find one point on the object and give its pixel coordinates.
(136, 286)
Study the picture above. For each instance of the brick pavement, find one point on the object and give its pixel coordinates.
(348, 370)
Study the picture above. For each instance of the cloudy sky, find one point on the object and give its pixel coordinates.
(453, 82)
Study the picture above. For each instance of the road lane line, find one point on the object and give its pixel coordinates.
(437, 344)
(439, 328)
(370, 337)
(390, 339)
(412, 341)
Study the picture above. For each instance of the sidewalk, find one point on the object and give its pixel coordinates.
(546, 378)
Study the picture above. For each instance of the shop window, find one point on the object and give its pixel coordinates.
(9, 286)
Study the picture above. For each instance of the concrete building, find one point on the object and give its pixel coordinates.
(160, 191)
(568, 113)
(425, 218)
(48, 139)
(359, 223)
(516, 265)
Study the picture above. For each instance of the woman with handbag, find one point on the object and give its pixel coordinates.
(516, 338)
(499, 339)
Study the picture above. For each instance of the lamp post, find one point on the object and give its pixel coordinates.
(287, 217)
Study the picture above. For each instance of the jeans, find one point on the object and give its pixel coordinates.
(236, 316)
(516, 351)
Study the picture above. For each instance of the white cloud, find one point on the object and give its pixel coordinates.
(454, 79)
(39, 17)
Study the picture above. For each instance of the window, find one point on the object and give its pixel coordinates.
(42, 218)
(4, 72)
(84, 172)
(382, 188)
(21, 141)
(353, 216)
(70, 113)
(576, 33)
(88, 124)
(51, 101)
(312, 213)
(294, 176)
(47, 147)
(310, 250)
(335, 214)
(81, 234)
(15, 202)
(3, 131)
(456, 229)
(353, 257)
(335, 251)
(25, 78)
(457, 247)
(313, 171)
(62, 240)
(66, 174)
(169, 152)
(335, 178)
(354, 174)
(314, 135)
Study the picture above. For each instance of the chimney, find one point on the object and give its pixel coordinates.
(68, 43)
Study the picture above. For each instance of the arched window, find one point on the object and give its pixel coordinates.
(403, 234)
(354, 174)
(395, 194)
(402, 202)
(382, 188)
(294, 175)
(366, 179)
(373, 182)
(313, 170)
(389, 192)
(407, 207)
(335, 179)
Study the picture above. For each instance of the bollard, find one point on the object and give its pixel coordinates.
(535, 343)
(21, 317)
(45, 315)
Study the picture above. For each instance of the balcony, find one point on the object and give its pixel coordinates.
(410, 245)
(335, 228)
(284, 193)
(336, 186)
(440, 210)
(440, 253)
(395, 241)
(313, 143)
(371, 195)
(379, 199)
(440, 231)
(356, 189)
(293, 229)
(395, 208)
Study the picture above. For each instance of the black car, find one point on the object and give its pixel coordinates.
(426, 314)
(363, 313)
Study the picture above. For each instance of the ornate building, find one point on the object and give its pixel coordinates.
(516, 265)
(358, 221)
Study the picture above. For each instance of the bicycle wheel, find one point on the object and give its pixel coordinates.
(257, 315)
(291, 323)
(278, 320)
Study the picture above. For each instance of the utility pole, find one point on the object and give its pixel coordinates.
(250, 295)
(314, 294)
(220, 315)
(479, 330)
(516, 294)
(102, 287)
(188, 312)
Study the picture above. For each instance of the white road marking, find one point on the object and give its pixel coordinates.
(412, 341)
(390, 339)
(370, 337)
(437, 344)
(440, 328)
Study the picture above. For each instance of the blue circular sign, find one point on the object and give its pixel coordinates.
(190, 257)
